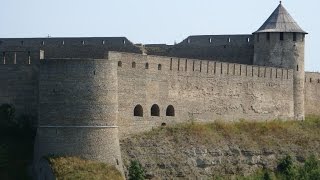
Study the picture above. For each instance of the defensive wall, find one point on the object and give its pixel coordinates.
(78, 109)
(198, 90)
(19, 81)
(82, 47)
(225, 48)
(312, 93)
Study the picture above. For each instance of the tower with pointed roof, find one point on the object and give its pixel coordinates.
(279, 42)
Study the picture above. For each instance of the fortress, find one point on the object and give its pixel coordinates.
(89, 92)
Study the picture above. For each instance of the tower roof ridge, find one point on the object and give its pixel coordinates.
(280, 21)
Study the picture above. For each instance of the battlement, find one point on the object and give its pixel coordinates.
(218, 40)
(21, 57)
(64, 41)
(195, 67)
(312, 78)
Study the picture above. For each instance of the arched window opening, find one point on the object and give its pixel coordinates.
(147, 66)
(119, 64)
(159, 66)
(155, 111)
(138, 111)
(133, 64)
(170, 111)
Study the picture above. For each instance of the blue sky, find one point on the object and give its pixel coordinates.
(154, 21)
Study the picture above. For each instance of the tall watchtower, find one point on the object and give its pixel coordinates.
(279, 42)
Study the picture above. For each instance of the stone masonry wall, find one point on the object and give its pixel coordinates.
(225, 48)
(312, 93)
(78, 107)
(19, 84)
(82, 47)
(198, 90)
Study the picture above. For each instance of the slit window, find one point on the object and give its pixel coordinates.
(281, 36)
(42, 43)
(210, 40)
(193, 66)
(83, 42)
(159, 66)
(147, 66)
(297, 67)
(268, 36)
(170, 111)
(186, 65)
(133, 64)
(294, 36)
(103, 42)
(138, 111)
(119, 64)
(310, 79)
(155, 110)
(171, 64)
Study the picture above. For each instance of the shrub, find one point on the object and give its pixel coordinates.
(136, 172)
(287, 168)
(310, 170)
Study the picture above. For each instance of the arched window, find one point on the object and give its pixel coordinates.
(133, 64)
(170, 111)
(155, 111)
(138, 111)
(147, 66)
(119, 63)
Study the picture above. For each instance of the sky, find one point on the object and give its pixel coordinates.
(154, 21)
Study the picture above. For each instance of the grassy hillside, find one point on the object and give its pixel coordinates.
(75, 168)
(222, 149)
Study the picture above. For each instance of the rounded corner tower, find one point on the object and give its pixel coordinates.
(279, 42)
(78, 109)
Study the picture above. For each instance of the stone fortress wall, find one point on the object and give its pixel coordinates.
(78, 108)
(198, 90)
(89, 92)
(312, 93)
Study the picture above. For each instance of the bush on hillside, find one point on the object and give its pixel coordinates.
(287, 168)
(136, 171)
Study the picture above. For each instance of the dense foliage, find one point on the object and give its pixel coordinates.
(136, 171)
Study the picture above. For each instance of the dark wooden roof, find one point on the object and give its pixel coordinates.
(280, 21)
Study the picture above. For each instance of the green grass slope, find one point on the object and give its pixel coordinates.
(73, 168)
